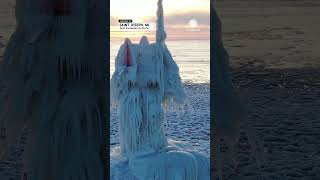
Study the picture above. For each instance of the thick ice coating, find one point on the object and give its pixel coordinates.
(145, 77)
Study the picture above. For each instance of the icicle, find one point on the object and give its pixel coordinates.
(131, 121)
(79, 70)
(82, 69)
(99, 119)
(160, 34)
(74, 69)
(67, 68)
(61, 68)
(144, 41)
(92, 72)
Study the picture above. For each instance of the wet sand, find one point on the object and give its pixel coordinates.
(275, 63)
(7, 23)
(284, 109)
(274, 34)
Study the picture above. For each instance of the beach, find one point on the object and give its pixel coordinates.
(283, 108)
(275, 58)
(273, 34)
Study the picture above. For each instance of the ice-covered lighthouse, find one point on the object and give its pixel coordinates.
(146, 77)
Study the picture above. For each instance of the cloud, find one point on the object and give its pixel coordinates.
(203, 18)
(114, 21)
(176, 26)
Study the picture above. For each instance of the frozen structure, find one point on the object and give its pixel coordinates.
(145, 78)
(55, 87)
(228, 111)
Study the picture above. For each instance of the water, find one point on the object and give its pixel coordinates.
(192, 57)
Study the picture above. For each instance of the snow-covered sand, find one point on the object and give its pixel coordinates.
(191, 125)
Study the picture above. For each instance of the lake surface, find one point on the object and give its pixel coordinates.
(192, 57)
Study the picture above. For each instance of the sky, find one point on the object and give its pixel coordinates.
(184, 19)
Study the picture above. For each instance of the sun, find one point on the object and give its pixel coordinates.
(193, 23)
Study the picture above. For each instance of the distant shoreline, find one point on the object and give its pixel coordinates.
(179, 40)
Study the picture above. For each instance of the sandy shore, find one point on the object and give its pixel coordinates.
(275, 60)
(7, 23)
(275, 34)
(284, 108)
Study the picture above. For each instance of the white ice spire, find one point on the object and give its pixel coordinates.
(161, 33)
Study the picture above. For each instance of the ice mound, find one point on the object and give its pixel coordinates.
(175, 161)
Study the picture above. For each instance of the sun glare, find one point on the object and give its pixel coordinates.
(144, 11)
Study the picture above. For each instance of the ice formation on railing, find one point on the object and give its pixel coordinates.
(146, 78)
